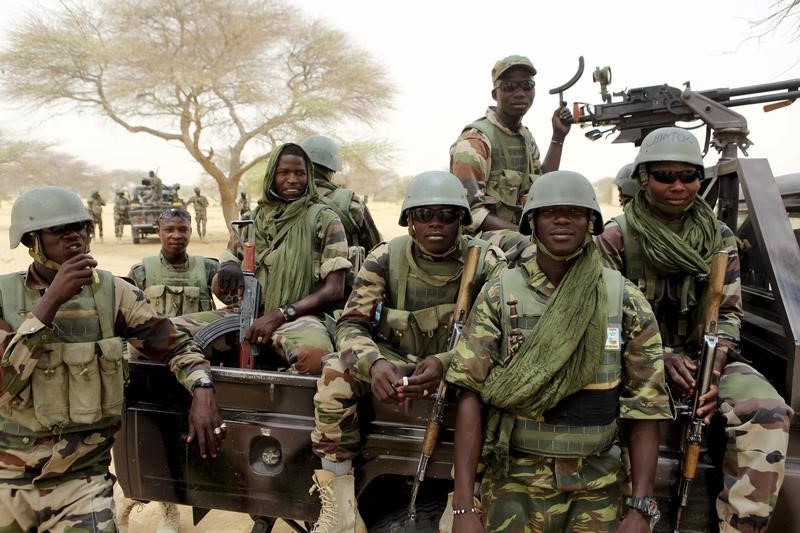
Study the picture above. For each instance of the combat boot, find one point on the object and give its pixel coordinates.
(339, 513)
(122, 508)
(170, 518)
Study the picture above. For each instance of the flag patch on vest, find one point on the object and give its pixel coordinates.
(612, 338)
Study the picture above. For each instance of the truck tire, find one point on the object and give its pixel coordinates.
(136, 236)
(428, 515)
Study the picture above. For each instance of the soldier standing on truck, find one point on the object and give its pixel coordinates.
(664, 242)
(243, 203)
(301, 262)
(554, 394)
(121, 213)
(96, 204)
(415, 276)
(200, 204)
(154, 182)
(497, 159)
(62, 328)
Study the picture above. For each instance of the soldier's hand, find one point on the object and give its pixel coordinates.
(205, 424)
(468, 523)
(425, 378)
(230, 278)
(562, 122)
(73, 274)
(263, 327)
(384, 376)
(708, 401)
(680, 371)
(634, 522)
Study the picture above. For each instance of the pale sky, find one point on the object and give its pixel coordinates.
(439, 55)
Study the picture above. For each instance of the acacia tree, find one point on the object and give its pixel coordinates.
(226, 79)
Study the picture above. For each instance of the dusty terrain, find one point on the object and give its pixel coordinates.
(119, 257)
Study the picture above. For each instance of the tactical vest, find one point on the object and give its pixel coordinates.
(340, 200)
(79, 378)
(172, 292)
(415, 319)
(584, 423)
(511, 174)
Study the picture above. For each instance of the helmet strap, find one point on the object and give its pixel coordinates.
(410, 225)
(540, 247)
(36, 251)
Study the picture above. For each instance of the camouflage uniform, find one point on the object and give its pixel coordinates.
(54, 453)
(496, 183)
(756, 417)
(302, 343)
(173, 294)
(243, 203)
(96, 204)
(562, 490)
(346, 374)
(121, 214)
(200, 204)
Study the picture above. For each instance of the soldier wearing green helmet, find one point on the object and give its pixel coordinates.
(62, 329)
(559, 352)
(664, 242)
(627, 184)
(408, 287)
(96, 204)
(200, 204)
(497, 158)
(362, 233)
(121, 213)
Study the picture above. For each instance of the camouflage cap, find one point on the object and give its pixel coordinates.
(507, 63)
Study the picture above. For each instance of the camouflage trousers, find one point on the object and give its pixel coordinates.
(76, 506)
(201, 224)
(511, 242)
(757, 437)
(337, 432)
(98, 225)
(301, 343)
(547, 494)
(119, 226)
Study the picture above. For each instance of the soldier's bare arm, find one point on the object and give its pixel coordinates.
(468, 440)
(642, 437)
(562, 120)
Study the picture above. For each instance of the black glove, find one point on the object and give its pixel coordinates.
(229, 277)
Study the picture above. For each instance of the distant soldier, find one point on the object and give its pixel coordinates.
(362, 234)
(96, 204)
(200, 204)
(154, 182)
(243, 203)
(627, 186)
(121, 213)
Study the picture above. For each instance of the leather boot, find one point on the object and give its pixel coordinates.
(339, 513)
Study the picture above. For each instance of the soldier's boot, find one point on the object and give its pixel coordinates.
(170, 518)
(122, 508)
(339, 513)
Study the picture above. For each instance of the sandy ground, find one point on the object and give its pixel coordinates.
(118, 258)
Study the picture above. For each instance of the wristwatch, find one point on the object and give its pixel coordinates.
(203, 383)
(289, 312)
(648, 506)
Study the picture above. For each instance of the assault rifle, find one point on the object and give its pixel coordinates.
(437, 412)
(644, 109)
(693, 432)
(248, 306)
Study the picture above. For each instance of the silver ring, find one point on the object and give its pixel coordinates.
(425, 393)
(217, 431)
(223, 426)
(405, 381)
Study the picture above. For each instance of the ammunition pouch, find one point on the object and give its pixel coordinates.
(174, 300)
(508, 188)
(419, 332)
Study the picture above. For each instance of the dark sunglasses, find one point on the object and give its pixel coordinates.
(66, 228)
(446, 215)
(512, 86)
(669, 176)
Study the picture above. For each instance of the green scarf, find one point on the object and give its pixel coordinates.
(282, 230)
(671, 253)
(553, 361)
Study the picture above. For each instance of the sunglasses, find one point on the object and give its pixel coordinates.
(66, 228)
(171, 212)
(669, 176)
(446, 215)
(512, 86)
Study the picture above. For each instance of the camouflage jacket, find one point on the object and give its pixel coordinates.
(354, 327)
(95, 204)
(643, 394)
(471, 161)
(611, 246)
(200, 204)
(121, 207)
(358, 213)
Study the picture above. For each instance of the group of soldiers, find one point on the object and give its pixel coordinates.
(543, 410)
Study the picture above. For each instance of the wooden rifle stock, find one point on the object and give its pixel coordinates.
(247, 351)
(437, 412)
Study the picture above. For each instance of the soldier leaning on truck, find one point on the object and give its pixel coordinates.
(409, 287)
(62, 330)
(664, 242)
(301, 262)
(554, 394)
(497, 159)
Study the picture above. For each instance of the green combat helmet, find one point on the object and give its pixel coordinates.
(435, 187)
(561, 187)
(44, 207)
(626, 182)
(323, 151)
(669, 144)
(197, 190)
